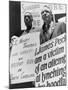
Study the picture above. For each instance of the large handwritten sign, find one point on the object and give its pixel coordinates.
(22, 58)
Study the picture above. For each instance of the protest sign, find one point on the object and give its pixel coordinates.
(37, 44)
(22, 58)
(50, 63)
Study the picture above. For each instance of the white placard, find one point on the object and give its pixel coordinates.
(22, 58)
(50, 63)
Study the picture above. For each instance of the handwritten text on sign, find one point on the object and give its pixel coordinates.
(22, 58)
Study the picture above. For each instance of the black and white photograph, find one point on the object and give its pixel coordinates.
(37, 44)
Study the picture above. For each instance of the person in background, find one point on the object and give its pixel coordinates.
(50, 29)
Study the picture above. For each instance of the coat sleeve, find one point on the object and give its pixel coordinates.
(60, 28)
(63, 26)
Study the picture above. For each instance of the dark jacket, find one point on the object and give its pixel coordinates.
(59, 28)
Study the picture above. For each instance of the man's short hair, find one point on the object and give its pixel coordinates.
(47, 9)
(28, 14)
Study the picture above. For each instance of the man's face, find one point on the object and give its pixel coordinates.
(46, 16)
(28, 20)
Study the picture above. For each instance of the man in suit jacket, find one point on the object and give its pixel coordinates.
(50, 29)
